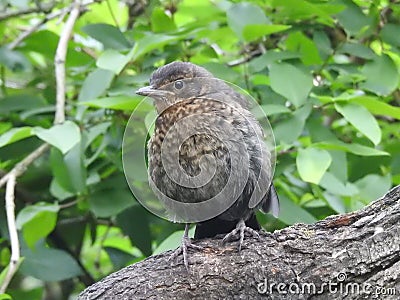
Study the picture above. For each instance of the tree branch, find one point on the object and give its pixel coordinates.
(26, 11)
(20, 168)
(355, 255)
(59, 61)
(46, 19)
(12, 230)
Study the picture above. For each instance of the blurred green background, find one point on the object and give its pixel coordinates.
(325, 72)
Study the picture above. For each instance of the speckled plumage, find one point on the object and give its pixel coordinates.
(218, 112)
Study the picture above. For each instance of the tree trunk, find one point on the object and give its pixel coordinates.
(352, 256)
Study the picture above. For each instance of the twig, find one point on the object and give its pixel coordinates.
(12, 230)
(69, 204)
(102, 240)
(47, 18)
(30, 10)
(35, 27)
(38, 4)
(3, 80)
(20, 168)
(112, 13)
(59, 61)
(244, 59)
(59, 117)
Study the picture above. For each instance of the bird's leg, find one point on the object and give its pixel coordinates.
(239, 232)
(185, 245)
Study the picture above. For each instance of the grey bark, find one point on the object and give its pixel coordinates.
(349, 256)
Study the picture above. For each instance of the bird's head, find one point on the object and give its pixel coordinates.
(174, 82)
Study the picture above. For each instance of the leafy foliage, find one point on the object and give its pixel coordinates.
(325, 72)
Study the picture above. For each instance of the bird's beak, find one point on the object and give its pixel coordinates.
(160, 96)
(146, 91)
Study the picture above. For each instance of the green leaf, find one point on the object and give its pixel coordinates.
(37, 221)
(335, 202)
(259, 79)
(14, 135)
(336, 187)
(61, 175)
(382, 75)
(242, 14)
(95, 84)
(149, 43)
(134, 222)
(312, 164)
(119, 103)
(69, 170)
(19, 3)
(377, 107)
(373, 187)
(290, 82)
(20, 102)
(49, 264)
(36, 293)
(303, 10)
(273, 109)
(5, 126)
(91, 133)
(5, 297)
(62, 136)
(74, 164)
(35, 43)
(112, 60)
(358, 50)
(29, 213)
(373, 103)
(299, 42)
(339, 166)
(289, 130)
(118, 257)
(37, 111)
(323, 44)
(173, 241)
(110, 36)
(58, 191)
(390, 34)
(101, 205)
(352, 148)
(353, 18)
(291, 213)
(222, 71)
(161, 22)
(261, 62)
(14, 60)
(361, 119)
(255, 31)
(114, 189)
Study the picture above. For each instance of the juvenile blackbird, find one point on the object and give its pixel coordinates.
(203, 133)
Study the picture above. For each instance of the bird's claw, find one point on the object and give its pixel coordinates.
(183, 249)
(240, 231)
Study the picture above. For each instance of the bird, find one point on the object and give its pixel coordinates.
(207, 145)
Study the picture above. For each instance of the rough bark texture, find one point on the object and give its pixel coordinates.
(351, 256)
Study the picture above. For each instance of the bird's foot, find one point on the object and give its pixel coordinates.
(239, 233)
(183, 249)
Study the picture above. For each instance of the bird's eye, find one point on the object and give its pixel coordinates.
(178, 84)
